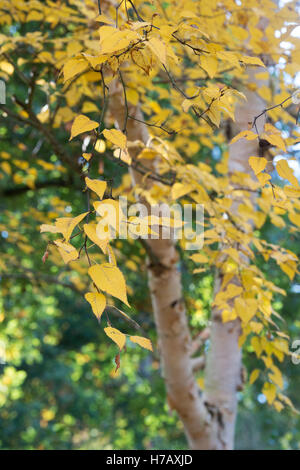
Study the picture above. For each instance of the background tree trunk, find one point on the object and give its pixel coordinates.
(223, 373)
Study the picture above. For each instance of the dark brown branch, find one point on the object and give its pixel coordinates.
(176, 87)
(170, 132)
(34, 122)
(279, 105)
(39, 278)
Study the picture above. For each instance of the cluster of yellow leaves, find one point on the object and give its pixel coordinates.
(106, 277)
(244, 292)
(83, 124)
(120, 339)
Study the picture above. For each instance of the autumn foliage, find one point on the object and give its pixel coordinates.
(140, 100)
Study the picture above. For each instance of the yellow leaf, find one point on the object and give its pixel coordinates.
(263, 178)
(143, 60)
(276, 377)
(82, 124)
(143, 342)
(87, 156)
(109, 279)
(44, 115)
(64, 225)
(97, 301)
(245, 308)
(278, 405)
(7, 67)
(199, 258)
(49, 228)
(89, 107)
(281, 345)
(284, 170)
(275, 140)
(270, 129)
(228, 315)
(104, 19)
(231, 291)
(113, 218)
(214, 113)
(159, 49)
(209, 63)
(255, 326)
(199, 270)
(180, 189)
(116, 335)
(287, 401)
(201, 383)
(72, 67)
(116, 137)
(258, 164)
(100, 146)
(6, 167)
(187, 14)
(139, 226)
(254, 375)
(97, 186)
(295, 219)
(112, 39)
(292, 192)
(94, 61)
(277, 220)
(91, 231)
(249, 135)
(239, 33)
(123, 155)
(256, 345)
(147, 154)
(230, 57)
(252, 61)
(67, 251)
(47, 166)
(289, 269)
(269, 390)
(67, 224)
(186, 104)
(139, 24)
